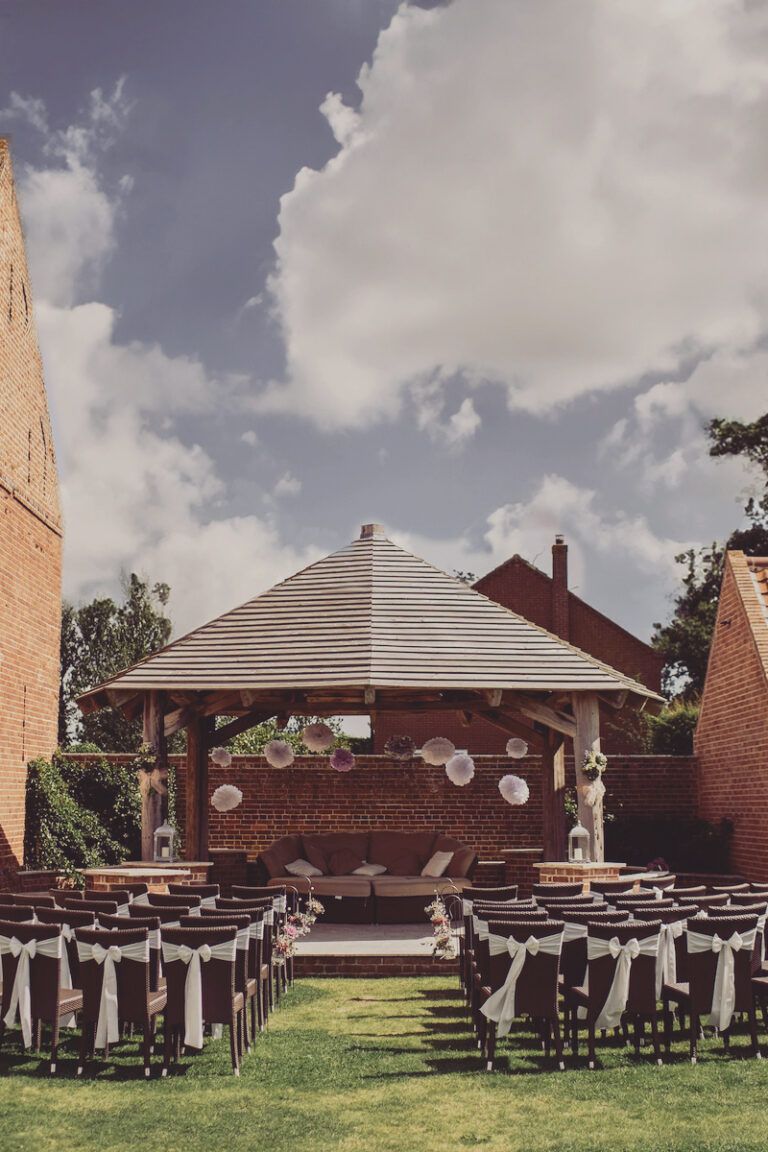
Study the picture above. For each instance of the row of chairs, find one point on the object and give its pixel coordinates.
(182, 956)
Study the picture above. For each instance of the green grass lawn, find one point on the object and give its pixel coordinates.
(383, 1065)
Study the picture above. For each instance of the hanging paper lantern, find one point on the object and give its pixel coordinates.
(226, 798)
(516, 748)
(400, 748)
(342, 760)
(514, 789)
(318, 737)
(279, 754)
(460, 769)
(222, 757)
(437, 751)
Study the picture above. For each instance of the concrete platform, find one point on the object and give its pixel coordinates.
(369, 950)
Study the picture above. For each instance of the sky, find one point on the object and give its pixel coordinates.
(480, 271)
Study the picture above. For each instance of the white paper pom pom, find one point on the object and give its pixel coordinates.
(437, 751)
(318, 737)
(226, 798)
(279, 754)
(222, 757)
(460, 769)
(516, 748)
(514, 789)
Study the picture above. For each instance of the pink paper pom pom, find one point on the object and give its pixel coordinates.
(342, 760)
(279, 754)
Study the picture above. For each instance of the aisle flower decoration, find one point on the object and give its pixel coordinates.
(594, 764)
(342, 760)
(460, 769)
(400, 748)
(514, 789)
(437, 751)
(516, 748)
(226, 797)
(279, 754)
(222, 757)
(318, 737)
(284, 944)
(443, 946)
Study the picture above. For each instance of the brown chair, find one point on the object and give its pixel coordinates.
(119, 896)
(536, 987)
(97, 906)
(168, 916)
(136, 888)
(206, 892)
(704, 902)
(161, 900)
(271, 921)
(152, 926)
(19, 913)
(258, 967)
(691, 890)
(6, 900)
(68, 921)
(34, 900)
(588, 901)
(715, 889)
(136, 1003)
(48, 1001)
(612, 887)
(602, 967)
(574, 889)
(246, 980)
(694, 996)
(221, 1002)
(59, 895)
(504, 893)
(573, 958)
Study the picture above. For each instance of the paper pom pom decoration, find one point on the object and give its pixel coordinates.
(460, 769)
(594, 792)
(342, 760)
(318, 737)
(514, 789)
(226, 798)
(278, 754)
(516, 748)
(400, 747)
(437, 751)
(222, 757)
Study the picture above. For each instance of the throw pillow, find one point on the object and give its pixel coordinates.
(369, 870)
(437, 864)
(302, 868)
(343, 862)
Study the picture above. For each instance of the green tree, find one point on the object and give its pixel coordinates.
(686, 639)
(98, 640)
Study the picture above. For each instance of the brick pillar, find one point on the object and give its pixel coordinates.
(560, 620)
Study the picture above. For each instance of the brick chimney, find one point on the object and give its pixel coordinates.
(560, 622)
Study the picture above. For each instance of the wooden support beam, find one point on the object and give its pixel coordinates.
(553, 797)
(535, 710)
(178, 719)
(208, 726)
(221, 704)
(235, 727)
(587, 738)
(464, 718)
(154, 794)
(197, 753)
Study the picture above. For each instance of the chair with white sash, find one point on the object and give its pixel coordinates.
(719, 955)
(705, 903)
(115, 973)
(558, 908)
(502, 894)
(573, 958)
(572, 888)
(642, 900)
(524, 962)
(165, 900)
(120, 896)
(244, 983)
(206, 892)
(200, 969)
(34, 990)
(272, 923)
(165, 914)
(68, 921)
(152, 925)
(95, 906)
(730, 889)
(621, 979)
(284, 903)
(34, 900)
(257, 989)
(19, 913)
(482, 914)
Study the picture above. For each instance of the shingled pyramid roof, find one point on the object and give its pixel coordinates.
(369, 615)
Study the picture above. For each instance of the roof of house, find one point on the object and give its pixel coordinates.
(370, 615)
(755, 597)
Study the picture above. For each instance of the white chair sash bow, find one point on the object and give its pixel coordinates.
(666, 967)
(724, 991)
(193, 984)
(108, 1024)
(624, 954)
(21, 992)
(500, 1005)
(574, 932)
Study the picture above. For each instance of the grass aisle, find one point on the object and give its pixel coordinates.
(383, 1066)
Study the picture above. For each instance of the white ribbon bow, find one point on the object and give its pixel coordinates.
(616, 1000)
(108, 1023)
(500, 1005)
(193, 985)
(21, 992)
(574, 932)
(724, 991)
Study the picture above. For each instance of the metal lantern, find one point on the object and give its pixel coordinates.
(578, 844)
(165, 839)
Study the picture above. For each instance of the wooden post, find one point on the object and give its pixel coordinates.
(587, 739)
(154, 785)
(208, 731)
(553, 797)
(199, 735)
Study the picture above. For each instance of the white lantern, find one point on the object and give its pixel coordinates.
(578, 844)
(165, 839)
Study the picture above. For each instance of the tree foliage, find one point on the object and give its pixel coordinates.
(686, 639)
(98, 640)
(254, 741)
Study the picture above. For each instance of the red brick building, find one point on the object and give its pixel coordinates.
(30, 535)
(731, 739)
(544, 600)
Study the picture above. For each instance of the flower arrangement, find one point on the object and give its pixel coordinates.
(279, 754)
(300, 921)
(443, 946)
(222, 757)
(516, 748)
(284, 944)
(460, 769)
(514, 789)
(400, 747)
(342, 760)
(594, 764)
(437, 751)
(318, 737)
(226, 797)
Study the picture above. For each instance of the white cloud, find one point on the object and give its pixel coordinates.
(287, 485)
(590, 208)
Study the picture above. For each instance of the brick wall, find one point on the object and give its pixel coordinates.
(732, 735)
(30, 536)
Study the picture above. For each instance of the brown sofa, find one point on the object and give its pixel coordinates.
(397, 896)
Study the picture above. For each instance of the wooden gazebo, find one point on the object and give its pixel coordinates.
(367, 630)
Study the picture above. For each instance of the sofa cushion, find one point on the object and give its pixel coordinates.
(302, 868)
(329, 886)
(462, 855)
(437, 864)
(389, 847)
(369, 870)
(319, 847)
(343, 861)
(280, 853)
(386, 886)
